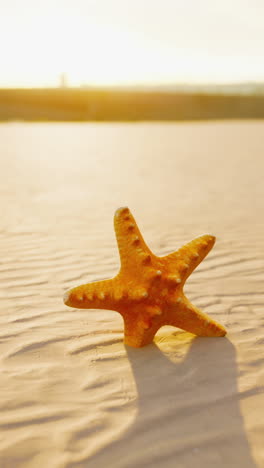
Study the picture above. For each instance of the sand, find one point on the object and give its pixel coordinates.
(71, 394)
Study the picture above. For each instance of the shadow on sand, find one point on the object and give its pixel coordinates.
(188, 409)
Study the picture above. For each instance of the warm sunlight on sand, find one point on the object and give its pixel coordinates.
(72, 395)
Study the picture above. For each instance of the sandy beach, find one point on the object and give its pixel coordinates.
(71, 394)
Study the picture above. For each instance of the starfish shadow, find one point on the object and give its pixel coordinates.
(188, 410)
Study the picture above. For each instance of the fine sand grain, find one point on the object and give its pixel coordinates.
(71, 394)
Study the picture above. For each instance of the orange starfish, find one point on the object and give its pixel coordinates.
(148, 290)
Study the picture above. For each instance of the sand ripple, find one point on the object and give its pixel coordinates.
(71, 394)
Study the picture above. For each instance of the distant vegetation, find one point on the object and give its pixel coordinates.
(72, 104)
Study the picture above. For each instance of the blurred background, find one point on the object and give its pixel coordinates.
(103, 60)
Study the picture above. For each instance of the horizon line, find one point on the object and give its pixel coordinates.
(142, 85)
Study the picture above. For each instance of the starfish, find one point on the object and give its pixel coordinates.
(148, 290)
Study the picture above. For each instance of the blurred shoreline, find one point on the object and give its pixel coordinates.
(115, 104)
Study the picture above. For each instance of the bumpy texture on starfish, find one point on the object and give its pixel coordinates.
(148, 290)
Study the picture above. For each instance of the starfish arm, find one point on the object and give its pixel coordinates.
(139, 332)
(133, 250)
(188, 257)
(95, 295)
(188, 317)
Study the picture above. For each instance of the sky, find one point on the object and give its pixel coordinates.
(128, 42)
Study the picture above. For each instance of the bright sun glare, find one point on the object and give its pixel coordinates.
(123, 42)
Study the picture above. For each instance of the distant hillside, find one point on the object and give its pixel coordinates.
(72, 104)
